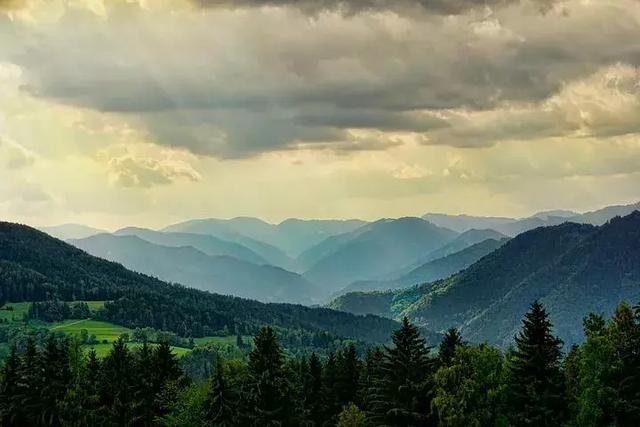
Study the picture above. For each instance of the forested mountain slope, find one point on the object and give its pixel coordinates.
(572, 268)
(437, 269)
(35, 266)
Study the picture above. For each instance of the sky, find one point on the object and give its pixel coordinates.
(148, 112)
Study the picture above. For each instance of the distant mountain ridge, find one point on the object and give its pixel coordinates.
(292, 236)
(209, 245)
(71, 231)
(514, 226)
(436, 269)
(377, 249)
(572, 268)
(189, 266)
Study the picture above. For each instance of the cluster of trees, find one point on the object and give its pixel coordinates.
(404, 384)
(55, 310)
(409, 384)
(57, 384)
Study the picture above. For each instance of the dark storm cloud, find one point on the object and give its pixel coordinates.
(351, 7)
(236, 85)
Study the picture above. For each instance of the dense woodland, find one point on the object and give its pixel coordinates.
(407, 383)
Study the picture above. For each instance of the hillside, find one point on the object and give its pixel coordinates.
(431, 271)
(35, 266)
(572, 268)
(381, 248)
(186, 265)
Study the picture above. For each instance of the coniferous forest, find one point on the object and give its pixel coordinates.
(406, 383)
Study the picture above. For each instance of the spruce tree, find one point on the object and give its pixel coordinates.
(56, 379)
(268, 402)
(10, 408)
(370, 381)
(348, 375)
(313, 392)
(536, 389)
(625, 334)
(330, 390)
(30, 384)
(447, 351)
(404, 393)
(116, 389)
(221, 403)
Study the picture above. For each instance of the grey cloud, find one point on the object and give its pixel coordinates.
(237, 85)
(351, 7)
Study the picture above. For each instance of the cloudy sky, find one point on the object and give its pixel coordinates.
(146, 112)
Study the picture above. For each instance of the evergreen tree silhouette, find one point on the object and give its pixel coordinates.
(536, 389)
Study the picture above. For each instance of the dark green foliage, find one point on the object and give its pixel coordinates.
(536, 386)
(49, 381)
(268, 402)
(10, 410)
(404, 392)
(221, 406)
(451, 340)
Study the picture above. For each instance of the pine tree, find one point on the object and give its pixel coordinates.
(313, 391)
(116, 390)
(370, 381)
(10, 409)
(348, 375)
(447, 351)
(405, 390)
(535, 379)
(330, 390)
(221, 403)
(625, 334)
(56, 380)
(143, 386)
(30, 384)
(268, 403)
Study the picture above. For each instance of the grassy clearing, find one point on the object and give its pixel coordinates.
(103, 331)
(103, 349)
(18, 312)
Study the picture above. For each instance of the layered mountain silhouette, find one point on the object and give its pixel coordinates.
(292, 236)
(572, 268)
(209, 245)
(513, 226)
(71, 231)
(430, 271)
(36, 266)
(376, 250)
(187, 265)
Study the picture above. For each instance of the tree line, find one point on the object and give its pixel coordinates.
(406, 383)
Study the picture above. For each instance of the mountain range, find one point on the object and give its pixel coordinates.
(187, 265)
(430, 271)
(513, 226)
(573, 269)
(35, 266)
(376, 250)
